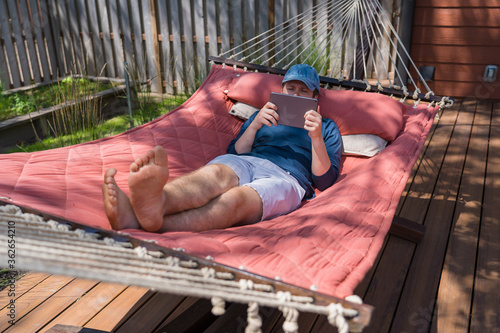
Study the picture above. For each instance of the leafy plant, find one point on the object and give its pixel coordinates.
(23, 105)
(12, 105)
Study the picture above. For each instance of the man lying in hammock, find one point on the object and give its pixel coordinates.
(267, 172)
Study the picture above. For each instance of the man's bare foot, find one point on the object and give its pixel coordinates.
(148, 175)
(116, 204)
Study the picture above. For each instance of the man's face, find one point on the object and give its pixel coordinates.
(297, 88)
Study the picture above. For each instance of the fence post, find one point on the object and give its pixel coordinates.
(165, 45)
(9, 47)
(28, 37)
(88, 58)
(129, 101)
(200, 58)
(109, 61)
(115, 28)
(152, 52)
(177, 61)
(18, 37)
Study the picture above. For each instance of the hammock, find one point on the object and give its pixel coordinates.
(307, 260)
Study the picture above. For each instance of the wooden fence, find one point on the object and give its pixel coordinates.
(165, 41)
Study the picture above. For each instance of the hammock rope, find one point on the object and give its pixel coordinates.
(59, 247)
(351, 40)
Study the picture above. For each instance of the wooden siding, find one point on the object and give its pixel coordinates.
(459, 38)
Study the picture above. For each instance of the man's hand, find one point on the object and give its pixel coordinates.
(320, 160)
(266, 116)
(313, 123)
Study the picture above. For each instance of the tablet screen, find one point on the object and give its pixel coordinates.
(291, 109)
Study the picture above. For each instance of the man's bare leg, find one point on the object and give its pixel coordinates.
(239, 205)
(117, 205)
(198, 188)
(155, 203)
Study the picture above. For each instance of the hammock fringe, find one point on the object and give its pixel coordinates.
(55, 245)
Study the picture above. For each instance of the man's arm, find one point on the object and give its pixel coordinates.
(266, 116)
(320, 160)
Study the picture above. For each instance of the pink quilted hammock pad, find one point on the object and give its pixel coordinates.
(330, 242)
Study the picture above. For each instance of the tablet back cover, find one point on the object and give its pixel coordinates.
(291, 109)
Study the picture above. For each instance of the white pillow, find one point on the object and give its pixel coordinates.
(354, 145)
(242, 110)
(363, 144)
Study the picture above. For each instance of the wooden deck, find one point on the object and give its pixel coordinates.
(448, 282)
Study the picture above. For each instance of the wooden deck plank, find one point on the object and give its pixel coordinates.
(233, 320)
(420, 288)
(33, 298)
(382, 284)
(120, 309)
(72, 329)
(194, 319)
(322, 325)
(486, 300)
(385, 286)
(457, 280)
(23, 285)
(306, 322)
(79, 313)
(52, 306)
(151, 314)
(364, 285)
(271, 319)
(183, 306)
(425, 179)
(420, 159)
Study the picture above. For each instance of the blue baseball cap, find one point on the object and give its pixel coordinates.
(304, 73)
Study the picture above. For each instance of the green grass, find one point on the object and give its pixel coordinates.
(24, 102)
(147, 109)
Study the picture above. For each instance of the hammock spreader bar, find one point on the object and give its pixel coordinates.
(51, 244)
(356, 85)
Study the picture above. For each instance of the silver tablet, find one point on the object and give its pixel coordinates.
(291, 109)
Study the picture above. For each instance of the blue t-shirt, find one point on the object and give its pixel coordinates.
(290, 148)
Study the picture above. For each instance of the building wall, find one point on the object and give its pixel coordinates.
(459, 38)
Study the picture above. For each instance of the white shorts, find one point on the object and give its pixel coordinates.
(279, 191)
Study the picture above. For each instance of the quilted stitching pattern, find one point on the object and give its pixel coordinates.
(330, 242)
